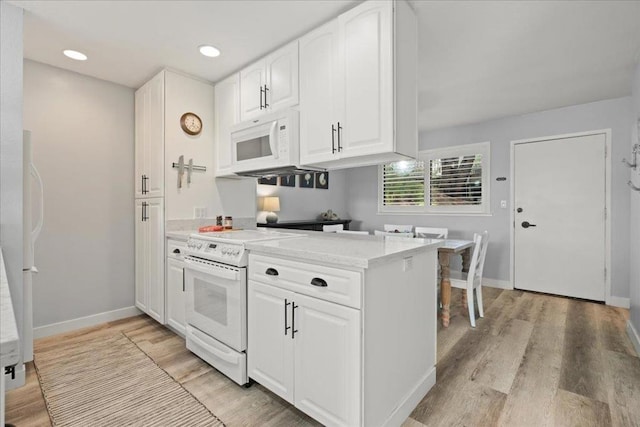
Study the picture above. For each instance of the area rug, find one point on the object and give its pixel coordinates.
(112, 382)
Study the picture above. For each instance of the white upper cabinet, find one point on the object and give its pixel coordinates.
(149, 138)
(319, 93)
(227, 114)
(358, 80)
(270, 84)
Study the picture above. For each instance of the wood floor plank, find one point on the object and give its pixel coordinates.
(582, 369)
(612, 333)
(623, 378)
(528, 307)
(410, 422)
(530, 400)
(25, 406)
(574, 410)
(499, 365)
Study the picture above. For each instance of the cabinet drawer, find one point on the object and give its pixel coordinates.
(327, 283)
(176, 245)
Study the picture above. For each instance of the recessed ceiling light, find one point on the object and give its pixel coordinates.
(73, 54)
(209, 51)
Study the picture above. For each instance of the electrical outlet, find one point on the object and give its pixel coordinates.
(199, 212)
(503, 204)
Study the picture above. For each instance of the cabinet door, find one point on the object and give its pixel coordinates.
(282, 78)
(141, 255)
(156, 258)
(270, 347)
(175, 295)
(327, 361)
(141, 99)
(366, 51)
(149, 138)
(319, 94)
(252, 79)
(227, 113)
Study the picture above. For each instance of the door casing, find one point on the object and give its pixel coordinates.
(607, 185)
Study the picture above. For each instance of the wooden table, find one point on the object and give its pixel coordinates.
(463, 248)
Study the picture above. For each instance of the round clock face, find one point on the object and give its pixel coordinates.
(191, 123)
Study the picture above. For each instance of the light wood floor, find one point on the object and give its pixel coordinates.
(533, 360)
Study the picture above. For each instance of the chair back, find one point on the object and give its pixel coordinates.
(432, 232)
(474, 276)
(332, 228)
(366, 233)
(482, 255)
(398, 228)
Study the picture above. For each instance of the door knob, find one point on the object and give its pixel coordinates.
(526, 224)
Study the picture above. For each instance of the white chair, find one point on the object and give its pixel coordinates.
(332, 228)
(473, 279)
(352, 232)
(393, 228)
(432, 232)
(392, 234)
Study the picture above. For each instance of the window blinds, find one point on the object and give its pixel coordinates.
(403, 183)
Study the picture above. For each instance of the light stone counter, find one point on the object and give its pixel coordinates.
(180, 235)
(344, 249)
(9, 339)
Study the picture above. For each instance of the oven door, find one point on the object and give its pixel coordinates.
(217, 300)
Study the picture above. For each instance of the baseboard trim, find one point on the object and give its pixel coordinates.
(84, 322)
(402, 412)
(497, 283)
(619, 302)
(634, 336)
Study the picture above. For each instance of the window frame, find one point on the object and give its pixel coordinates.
(483, 148)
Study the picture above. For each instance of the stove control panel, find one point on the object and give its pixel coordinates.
(221, 252)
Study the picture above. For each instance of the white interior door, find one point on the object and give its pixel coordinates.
(560, 191)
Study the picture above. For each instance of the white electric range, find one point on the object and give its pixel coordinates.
(215, 277)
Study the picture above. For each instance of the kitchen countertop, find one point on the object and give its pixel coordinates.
(344, 249)
(182, 235)
(9, 339)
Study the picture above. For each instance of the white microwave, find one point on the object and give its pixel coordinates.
(266, 144)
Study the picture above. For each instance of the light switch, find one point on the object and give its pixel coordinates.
(503, 204)
(408, 264)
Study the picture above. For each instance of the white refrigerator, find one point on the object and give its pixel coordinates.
(33, 214)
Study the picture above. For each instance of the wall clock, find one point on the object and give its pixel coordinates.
(191, 123)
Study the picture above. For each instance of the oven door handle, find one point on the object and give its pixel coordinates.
(227, 357)
(214, 271)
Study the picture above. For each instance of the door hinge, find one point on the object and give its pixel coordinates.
(605, 212)
(605, 273)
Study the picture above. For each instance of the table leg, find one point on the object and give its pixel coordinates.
(445, 287)
(466, 262)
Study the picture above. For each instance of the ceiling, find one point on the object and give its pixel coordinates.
(478, 60)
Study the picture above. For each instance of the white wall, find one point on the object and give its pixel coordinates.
(11, 147)
(307, 203)
(634, 271)
(613, 114)
(83, 144)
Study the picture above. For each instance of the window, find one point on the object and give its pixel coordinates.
(452, 180)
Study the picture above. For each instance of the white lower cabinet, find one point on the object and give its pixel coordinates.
(307, 351)
(175, 295)
(149, 257)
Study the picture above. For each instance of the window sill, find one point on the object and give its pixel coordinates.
(436, 213)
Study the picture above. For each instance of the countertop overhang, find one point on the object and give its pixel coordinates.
(345, 249)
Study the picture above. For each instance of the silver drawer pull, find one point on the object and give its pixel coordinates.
(316, 281)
